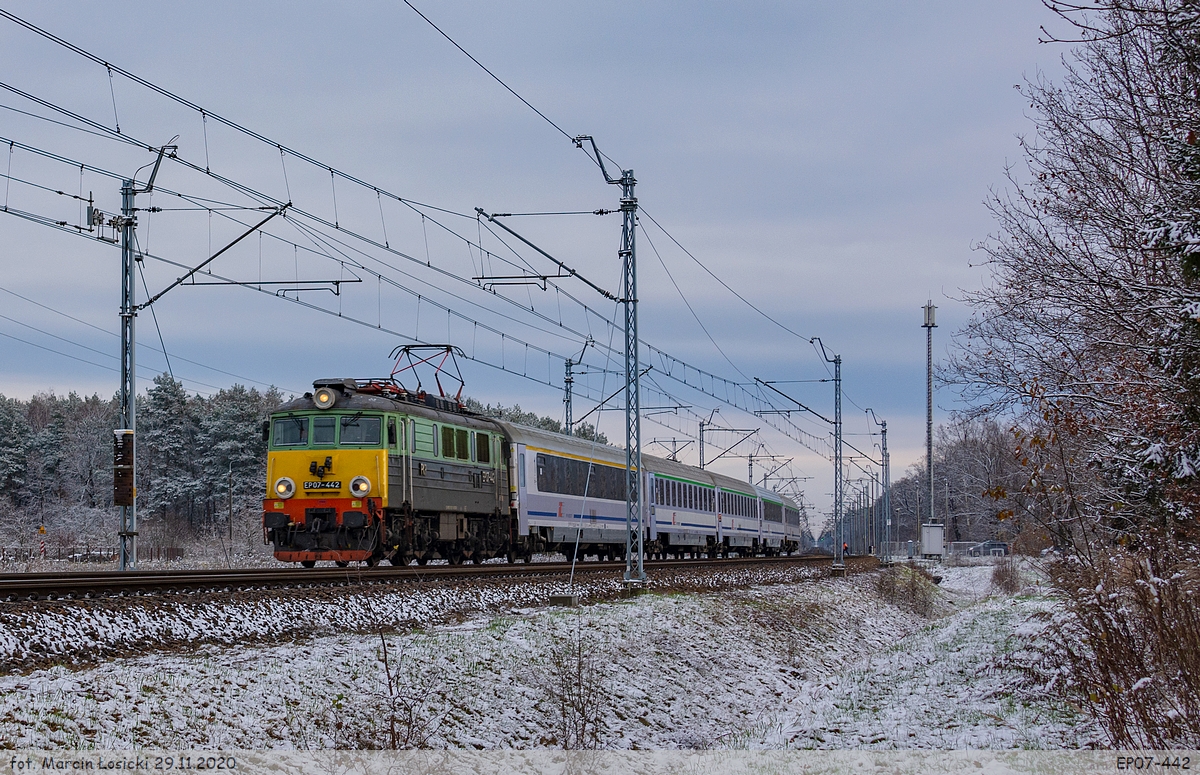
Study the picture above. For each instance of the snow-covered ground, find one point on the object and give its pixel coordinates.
(801, 663)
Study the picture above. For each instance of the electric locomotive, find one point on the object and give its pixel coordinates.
(371, 471)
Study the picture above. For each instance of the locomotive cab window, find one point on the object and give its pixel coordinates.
(323, 430)
(290, 432)
(357, 429)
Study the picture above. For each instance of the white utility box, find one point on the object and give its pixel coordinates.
(933, 540)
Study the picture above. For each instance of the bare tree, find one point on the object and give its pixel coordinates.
(1087, 344)
(574, 684)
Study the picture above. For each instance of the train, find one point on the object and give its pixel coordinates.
(368, 471)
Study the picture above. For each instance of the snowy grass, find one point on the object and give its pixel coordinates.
(78, 632)
(796, 664)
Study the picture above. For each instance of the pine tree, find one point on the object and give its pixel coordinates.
(169, 479)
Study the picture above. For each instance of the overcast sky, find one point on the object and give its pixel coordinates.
(828, 161)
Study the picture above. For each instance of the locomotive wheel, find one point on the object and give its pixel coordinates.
(456, 557)
(341, 563)
(309, 563)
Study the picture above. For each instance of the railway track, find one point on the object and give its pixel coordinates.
(79, 585)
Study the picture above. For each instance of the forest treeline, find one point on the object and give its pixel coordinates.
(193, 453)
(973, 459)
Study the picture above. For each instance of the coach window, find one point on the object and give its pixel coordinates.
(483, 451)
(521, 468)
(323, 430)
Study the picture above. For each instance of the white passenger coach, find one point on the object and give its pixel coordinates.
(570, 491)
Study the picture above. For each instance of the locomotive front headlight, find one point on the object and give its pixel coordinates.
(324, 398)
(284, 487)
(360, 487)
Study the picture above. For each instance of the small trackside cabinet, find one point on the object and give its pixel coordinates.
(933, 540)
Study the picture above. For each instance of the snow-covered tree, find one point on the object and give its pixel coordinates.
(230, 435)
(169, 479)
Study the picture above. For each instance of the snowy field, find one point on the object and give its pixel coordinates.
(764, 662)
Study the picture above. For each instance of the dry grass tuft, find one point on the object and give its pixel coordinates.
(1006, 576)
(910, 587)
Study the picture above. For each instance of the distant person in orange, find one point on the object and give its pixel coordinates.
(845, 548)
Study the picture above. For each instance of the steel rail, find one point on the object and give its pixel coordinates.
(75, 585)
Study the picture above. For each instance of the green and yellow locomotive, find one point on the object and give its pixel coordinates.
(371, 471)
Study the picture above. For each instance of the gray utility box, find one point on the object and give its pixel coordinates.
(933, 540)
